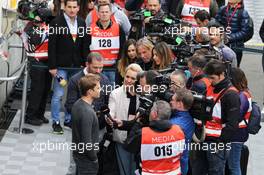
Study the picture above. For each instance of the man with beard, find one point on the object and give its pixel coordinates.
(94, 65)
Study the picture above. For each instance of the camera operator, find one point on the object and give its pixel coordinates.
(37, 52)
(141, 20)
(198, 82)
(123, 103)
(154, 6)
(134, 5)
(181, 102)
(216, 34)
(148, 142)
(225, 116)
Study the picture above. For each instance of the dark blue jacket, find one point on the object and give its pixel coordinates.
(185, 121)
(239, 23)
(73, 93)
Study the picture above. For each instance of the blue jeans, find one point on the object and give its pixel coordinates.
(216, 159)
(126, 162)
(208, 161)
(58, 92)
(234, 158)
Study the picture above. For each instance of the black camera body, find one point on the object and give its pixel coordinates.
(202, 107)
(28, 10)
(145, 104)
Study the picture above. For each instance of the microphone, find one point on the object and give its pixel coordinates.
(105, 111)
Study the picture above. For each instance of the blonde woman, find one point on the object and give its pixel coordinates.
(144, 50)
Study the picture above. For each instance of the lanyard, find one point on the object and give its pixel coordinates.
(232, 15)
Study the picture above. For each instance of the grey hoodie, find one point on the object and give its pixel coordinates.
(120, 17)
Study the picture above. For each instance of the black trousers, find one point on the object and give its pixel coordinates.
(40, 87)
(85, 167)
(263, 60)
(239, 55)
(238, 52)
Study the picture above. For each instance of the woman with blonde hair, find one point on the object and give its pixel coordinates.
(144, 50)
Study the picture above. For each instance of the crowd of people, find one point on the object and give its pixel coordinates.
(113, 79)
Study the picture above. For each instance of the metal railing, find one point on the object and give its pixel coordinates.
(23, 69)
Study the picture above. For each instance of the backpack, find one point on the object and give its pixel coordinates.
(253, 124)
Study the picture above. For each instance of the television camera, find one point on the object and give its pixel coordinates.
(28, 10)
(201, 109)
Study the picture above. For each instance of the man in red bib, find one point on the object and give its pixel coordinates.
(160, 145)
(107, 37)
(186, 9)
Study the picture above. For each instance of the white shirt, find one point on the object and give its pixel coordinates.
(73, 27)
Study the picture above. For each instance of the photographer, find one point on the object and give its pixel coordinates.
(225, 116)
(148, 142)
(134, 5)
(198, 82)
(37, 52)
(141, 20)
(181, 102)
(154, 6)
(123, 103)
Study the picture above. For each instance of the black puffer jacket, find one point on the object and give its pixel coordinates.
(239, 23)
(261, 31)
